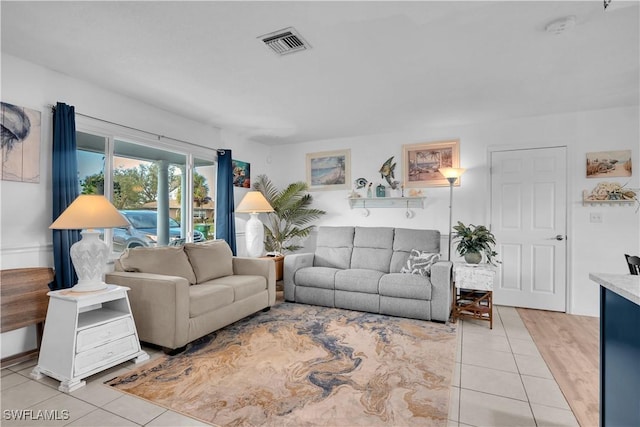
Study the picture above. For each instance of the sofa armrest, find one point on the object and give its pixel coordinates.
(293, 263)
(442, 288)
(258, 267)
(160, 306)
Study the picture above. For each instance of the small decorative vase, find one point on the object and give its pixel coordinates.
(473, 257)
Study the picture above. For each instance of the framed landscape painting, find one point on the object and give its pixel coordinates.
(605, 164)
(329, 170)
(422, 161)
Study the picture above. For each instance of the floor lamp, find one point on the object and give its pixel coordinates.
(253, 203)
(452, 174)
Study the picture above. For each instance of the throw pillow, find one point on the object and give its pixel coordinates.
(167, 260)
(210, 260)
(420, 262)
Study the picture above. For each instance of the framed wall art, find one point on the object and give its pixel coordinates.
(422, 161)
(20, 143)
(241, 174)
(605, 164)
(329, 170)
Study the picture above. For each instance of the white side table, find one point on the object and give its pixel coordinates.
(473, 291)
(85, 333)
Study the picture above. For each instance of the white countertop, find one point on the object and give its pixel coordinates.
(624, 285)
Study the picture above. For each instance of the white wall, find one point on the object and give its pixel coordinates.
(592, 247)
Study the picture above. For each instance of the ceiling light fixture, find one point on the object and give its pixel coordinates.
(561, 25)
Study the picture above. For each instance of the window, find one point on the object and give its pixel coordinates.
(147, 182)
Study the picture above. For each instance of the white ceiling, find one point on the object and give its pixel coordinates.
(374, 67)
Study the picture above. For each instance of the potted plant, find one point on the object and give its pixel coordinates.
(474, 241)
(291, 217)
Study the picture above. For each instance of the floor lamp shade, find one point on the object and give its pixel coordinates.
(90, 254)
(253, 203)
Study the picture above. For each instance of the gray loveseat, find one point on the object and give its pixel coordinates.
(359, 268)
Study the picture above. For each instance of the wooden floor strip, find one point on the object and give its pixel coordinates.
(570, 346)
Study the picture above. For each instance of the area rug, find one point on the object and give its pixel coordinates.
(303, 365)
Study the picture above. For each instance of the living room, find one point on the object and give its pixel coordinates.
(274, 147)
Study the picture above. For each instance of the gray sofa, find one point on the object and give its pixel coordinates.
(179, 294)
(359, 268)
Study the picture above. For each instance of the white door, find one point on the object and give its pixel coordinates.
(528, 218)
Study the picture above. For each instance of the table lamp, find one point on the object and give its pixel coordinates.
(253, 203)
(452, 174)
(90, 254)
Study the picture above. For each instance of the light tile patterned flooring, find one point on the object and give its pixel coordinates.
(500, 380)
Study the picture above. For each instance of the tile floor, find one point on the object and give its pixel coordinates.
(500, 380)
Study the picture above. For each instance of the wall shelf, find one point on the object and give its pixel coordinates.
(589, 202)
(387, 202)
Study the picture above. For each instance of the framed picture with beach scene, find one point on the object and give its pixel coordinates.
(329, 170)
(606, 164)
(422, 161)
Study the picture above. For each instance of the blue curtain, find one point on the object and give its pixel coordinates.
(225, 218)
(65, 191)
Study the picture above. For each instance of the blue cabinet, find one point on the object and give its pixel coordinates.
(619, 360)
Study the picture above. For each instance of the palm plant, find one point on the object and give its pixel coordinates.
(291, 216)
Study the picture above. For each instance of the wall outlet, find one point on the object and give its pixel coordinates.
(595, 217)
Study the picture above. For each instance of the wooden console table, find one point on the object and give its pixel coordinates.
(24, 303)
(473, 292)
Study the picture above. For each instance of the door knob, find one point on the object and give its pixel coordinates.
(559, 237)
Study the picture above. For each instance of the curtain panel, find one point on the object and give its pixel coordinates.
(65, 191)
(225, 207)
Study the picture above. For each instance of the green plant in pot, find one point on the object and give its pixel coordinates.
(474, 241)
(291, 217)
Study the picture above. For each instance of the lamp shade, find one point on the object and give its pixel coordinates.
(452, 172)
(89, 211)
(254, 201)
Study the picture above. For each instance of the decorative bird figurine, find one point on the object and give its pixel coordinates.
(386, 172)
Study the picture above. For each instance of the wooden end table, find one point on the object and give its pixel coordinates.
(279, 260)
(473, 292)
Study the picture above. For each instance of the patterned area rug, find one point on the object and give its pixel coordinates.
(303, 365)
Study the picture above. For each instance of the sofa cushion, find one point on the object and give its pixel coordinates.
(207, 297)
(406, 239)
(420, 263)
(167, 260)
(372, 248)
(373, 237)
(371, 259)
(243, 285)
(335, 237)
(316, 277)
(401, 285)
(358, 280)
(210, 260)
(334, 247)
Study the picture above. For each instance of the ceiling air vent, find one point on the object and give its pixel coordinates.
(285, 41)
